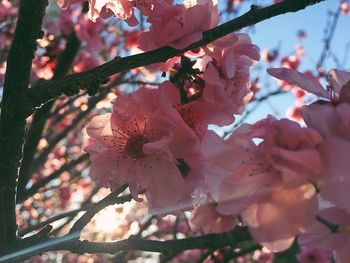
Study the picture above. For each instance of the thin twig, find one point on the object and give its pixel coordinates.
(65, 167)
(334, 228)
(53, 219)
(111, 199)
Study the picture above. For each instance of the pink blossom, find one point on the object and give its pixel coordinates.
(294, 114)
(328, 119)
(277, 218)
(178, 26)
(206, 218)
(313, 255)
(65, 22)
(123, 9)
(85, 61)
(291, 62)
(131, 38)
(270, 55)
(268, 184)
(332, 120)
(64, 4)
(140, 143)
(6, 9)
(89, 33)
(320, 236)
(335, 181)
(227, 85)
(344, 6)
(192, 113)
(338, 89)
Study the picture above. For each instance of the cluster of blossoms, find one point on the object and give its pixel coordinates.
(272, 176)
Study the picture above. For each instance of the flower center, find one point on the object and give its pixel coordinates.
(133, 147)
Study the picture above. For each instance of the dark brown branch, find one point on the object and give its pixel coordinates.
(33, 137)
(40, 117)
(90, 80)
(13, 116)
(231, 238)
(70, 243)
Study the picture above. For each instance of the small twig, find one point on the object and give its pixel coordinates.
(53, 219)
(334, 228)
(111, 199)
(255, 104)
(327, 42)
(59, 137)
(70, 219)
(65, 167)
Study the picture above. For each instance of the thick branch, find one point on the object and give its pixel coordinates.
(40, 117)
(70, 243)
(91, 79)
(13, 117)
(212, 241)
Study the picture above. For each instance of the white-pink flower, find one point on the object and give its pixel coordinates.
(331, 118)
(227, 84)
(88, 33)
(267, 184)
(177, 25)
(206, 218)
(319, 236)
(143, 142)
(123, 9)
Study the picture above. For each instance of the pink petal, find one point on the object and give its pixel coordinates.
(165, 183)
(319, 236)
(296, 78)
(186, 40)
(275, 221)
(336, 184)
(100, 126)
(338, 79)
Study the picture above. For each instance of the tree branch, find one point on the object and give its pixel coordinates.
(110, 199)
(91, 79)
(70, 243)
(40, 117)
(65, 167)
(13, 116)
(54, 219)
